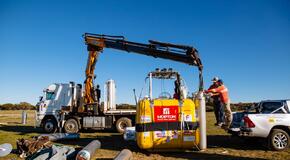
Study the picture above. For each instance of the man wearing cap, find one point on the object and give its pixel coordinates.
(222, 90)
(218, 109)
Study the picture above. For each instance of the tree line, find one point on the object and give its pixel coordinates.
(17, 106)
(209, 106)
(234, 106)
(28, 106)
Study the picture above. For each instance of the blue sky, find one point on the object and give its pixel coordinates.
(246, 43)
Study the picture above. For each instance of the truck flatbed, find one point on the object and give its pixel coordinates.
(120, 112)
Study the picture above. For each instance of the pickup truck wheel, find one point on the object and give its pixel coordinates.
(49, 126)
(279, 140)
(71, 126)
(122, 123)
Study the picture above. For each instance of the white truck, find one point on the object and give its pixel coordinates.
(269, 119)
(54, 110)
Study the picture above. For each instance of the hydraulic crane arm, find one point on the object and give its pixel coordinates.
(96, 43)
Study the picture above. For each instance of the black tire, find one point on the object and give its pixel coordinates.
(71, 126)
(49, 126)
(278, 140)
(122, 123)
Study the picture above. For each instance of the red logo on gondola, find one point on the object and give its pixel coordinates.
(165, 113)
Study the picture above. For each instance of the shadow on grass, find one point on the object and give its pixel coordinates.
(13, 123)
(234, 142)
(20, 129)
(202, 155)
(114, 142)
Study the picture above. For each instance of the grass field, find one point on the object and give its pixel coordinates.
(220, 144)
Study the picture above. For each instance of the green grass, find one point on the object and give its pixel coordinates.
(220, 144)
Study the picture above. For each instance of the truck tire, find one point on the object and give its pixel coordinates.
(49, 126)
(278, 140)
(122, 123)
(71, 126)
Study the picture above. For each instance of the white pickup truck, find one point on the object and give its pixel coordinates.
(270, 119)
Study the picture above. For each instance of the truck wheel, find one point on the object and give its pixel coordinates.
(122, 123)
(278, 140)
(71, 126)
(49, 126)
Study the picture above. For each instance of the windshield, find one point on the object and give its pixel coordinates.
(49, 95)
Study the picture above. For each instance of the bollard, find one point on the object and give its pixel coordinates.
(89, 150)
(35, 119)
(24, 117)
(125, 154)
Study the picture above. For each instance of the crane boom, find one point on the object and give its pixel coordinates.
(96, 43)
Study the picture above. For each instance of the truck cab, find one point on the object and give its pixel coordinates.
(55, 97)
